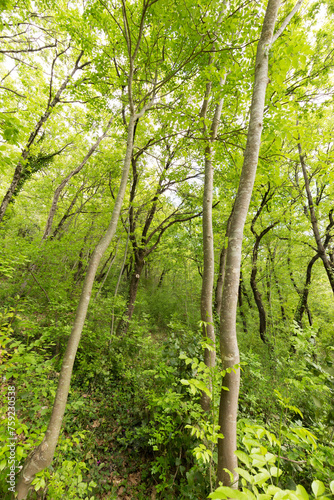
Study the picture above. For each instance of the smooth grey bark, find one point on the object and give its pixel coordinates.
(25, 153)
(42, 455)
(228, 338)
(208, 247)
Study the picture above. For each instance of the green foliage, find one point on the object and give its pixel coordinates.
(260, 469)
(134, 401)
(65, 481)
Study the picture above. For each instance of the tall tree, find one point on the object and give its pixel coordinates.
(144, 68)
(227, 460)
(208, 248)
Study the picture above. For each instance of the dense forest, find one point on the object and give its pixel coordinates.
(167, 249)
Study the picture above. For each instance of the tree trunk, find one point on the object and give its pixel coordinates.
(302, 306)
(258, 296)
(124, 322)
(161, 279)
(256, 292)
(208, 273)
(241, 310)
(244, 291)
(298, 318)
(104, 269)
(221, 274)
(208, 248)
(228, 338)
(314, 221)
(42, 455)
(278, 288)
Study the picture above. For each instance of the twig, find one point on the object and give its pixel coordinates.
(293, 461)
(38, 283)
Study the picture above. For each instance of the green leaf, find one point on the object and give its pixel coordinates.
(318, 488)
(245, 474)
(258, 460)
(285, 495)
(226, 492)
(217, 494)
(331, 485)
(261, 478)
(274, 471)
(243, 457)
(302, 493)
(272, 490)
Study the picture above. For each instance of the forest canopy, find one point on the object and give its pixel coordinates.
(166, 249)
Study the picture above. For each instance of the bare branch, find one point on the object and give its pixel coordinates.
(14, 91)
(27, 50)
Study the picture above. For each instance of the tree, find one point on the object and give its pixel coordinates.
(228, 340)
(145, 239)
(133, 23)
(42, 456)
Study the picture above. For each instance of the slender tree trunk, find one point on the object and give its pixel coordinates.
(314, 221)
(161, 279)
(257, 296)
(298, 318)
(208, 273)
(241, 310)
(208, 247)
(80, 266)
(256, 292)
(66, 215)
(123, 325)
(42, 455)
(244, 291)
(280, 297)
(228, 338)
(111, 258)
(221, 273)
(117, 286)
(302, 306)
